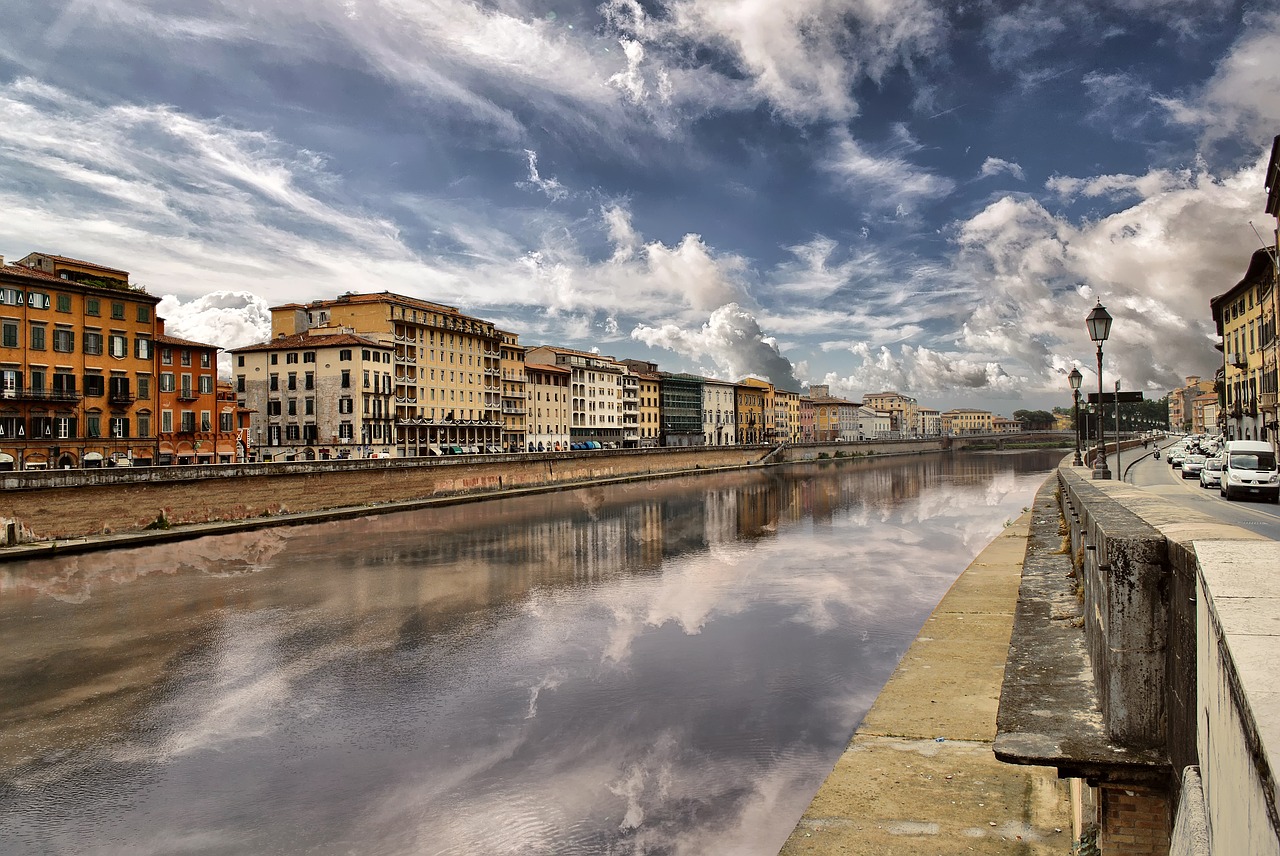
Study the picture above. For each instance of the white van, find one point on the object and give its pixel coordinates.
(1249, 469)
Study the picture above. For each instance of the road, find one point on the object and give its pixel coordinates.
(1141, 469)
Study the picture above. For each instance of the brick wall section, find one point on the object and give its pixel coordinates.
(78, 503)
(1135, 821)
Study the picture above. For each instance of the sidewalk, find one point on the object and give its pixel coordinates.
(920, 776)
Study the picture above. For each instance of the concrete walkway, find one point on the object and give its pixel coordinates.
(920, 776)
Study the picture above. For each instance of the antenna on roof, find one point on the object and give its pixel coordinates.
(1271, 251)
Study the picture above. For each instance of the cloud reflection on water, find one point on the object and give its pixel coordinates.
(667, 668)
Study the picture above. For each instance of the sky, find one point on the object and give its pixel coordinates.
(869, 194)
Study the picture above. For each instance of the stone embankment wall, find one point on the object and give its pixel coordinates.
(68, 504)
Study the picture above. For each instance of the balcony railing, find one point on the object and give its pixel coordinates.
(1266, 399)
(27, 394)
(188, 395)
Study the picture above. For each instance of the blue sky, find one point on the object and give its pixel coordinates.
(872, 194)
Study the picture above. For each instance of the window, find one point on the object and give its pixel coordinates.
(345, 405)
(291, 358)
(93, 425)
(206, 384)
(64, 386)
(310, 409)
(142, 348)
(119, 346)
(185, 392)
(64, 340)
(117, 310)
(205, 359)
(12, 427)
(38, 300)
(240, 361)
(346, 379)
(273, 383)
(37, 380)
(37, 337)
(144, 315)
(239, 383)
(119, 387)
(144, 424)
(10, 334)
(92, 306)
(10, 297)
(64, 427)
(92, 343)
(188, 421)
(166, 422)
(119, 426)
(275, 358)
(293, 380)
(186, 357)
(291, 432)
(166, 356)
(225, 422)
(166, 382)
(309, 356)
(345, 430)
(345, 355)
(206, 421)
(309, 381)
(64, 302)
(273, 408)
(293, 407)
(144, 388)
(42, 427)
(95, 385)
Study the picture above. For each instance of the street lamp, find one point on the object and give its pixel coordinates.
(1074, 379)
(1099, 324)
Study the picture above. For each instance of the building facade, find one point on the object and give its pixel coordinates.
(718, 417)
(317, 396)
(514, 394)
(77, 366)
(595, 386)
(1245, 320)
(191, 428)
(903, 411)
(682, 411)
(964, 420)
(549, 411)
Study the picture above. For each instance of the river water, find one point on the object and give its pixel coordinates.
(666, 667)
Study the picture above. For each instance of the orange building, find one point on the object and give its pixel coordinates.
(191, 430)
(76, 365)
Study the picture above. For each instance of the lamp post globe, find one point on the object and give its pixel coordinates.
(1074, 379)
(1098, 323)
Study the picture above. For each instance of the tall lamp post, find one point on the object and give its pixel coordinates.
(1099, 324)
(1074, 379)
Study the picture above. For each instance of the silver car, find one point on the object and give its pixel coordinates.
(1211, 475)
(1192, 466)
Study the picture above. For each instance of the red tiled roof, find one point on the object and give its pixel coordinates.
(70, 260)
(303, 341)
(183, 343)
(23, 270)
(374, 297)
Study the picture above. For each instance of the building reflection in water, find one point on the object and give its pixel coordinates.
(642, 668)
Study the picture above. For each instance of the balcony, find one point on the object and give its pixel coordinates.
(122, 399)
(1266, 399)
(188, 395)
(27, 394)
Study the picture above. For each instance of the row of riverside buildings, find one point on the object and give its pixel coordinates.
(1239, 402)
(89, 378)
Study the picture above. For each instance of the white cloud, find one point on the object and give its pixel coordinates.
(732, 338)
(551, 187)
(919, 370)
(995, 166)
(885, 180)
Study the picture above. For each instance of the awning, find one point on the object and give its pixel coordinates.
(435, 450)
(93, 456)
(6, 459)
(457, 450)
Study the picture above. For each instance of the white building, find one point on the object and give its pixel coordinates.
(718, 413)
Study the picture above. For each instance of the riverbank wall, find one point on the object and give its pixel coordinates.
(77, 509)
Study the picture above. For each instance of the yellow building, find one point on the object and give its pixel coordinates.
(648, 401)
(77, 365)
(965, 420)
(1245, 319)
(755, 410)
(787, 416)
(514, 394)
(548, 412)
(447, 381)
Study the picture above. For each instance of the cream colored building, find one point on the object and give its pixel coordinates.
(718, 415)
(514, 394)
(930, 422)
(903, 411)
(548, 412)
(596, 393)
(317, 395)
(447, 378)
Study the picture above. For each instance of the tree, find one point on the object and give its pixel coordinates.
(1034, 420)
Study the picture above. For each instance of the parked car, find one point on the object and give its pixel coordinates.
(1211, 475)
(1192, 466)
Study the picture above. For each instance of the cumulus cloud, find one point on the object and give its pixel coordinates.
(732, 338)
(228, 319)
(920, 370)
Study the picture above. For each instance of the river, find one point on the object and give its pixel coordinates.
(664, 667)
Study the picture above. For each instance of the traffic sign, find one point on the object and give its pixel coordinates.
(1111, 397)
